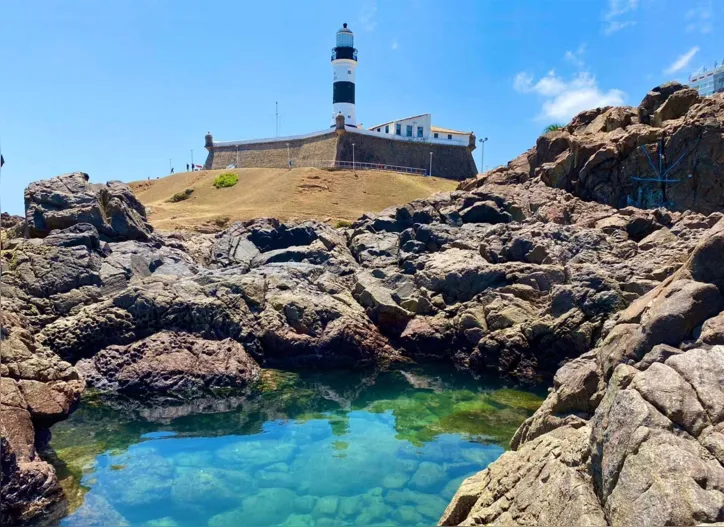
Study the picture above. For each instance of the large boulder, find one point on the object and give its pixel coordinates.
(66, 200)
(36, 390)
(170, 364)
(546, 483)
(647, 404)
(611, 155)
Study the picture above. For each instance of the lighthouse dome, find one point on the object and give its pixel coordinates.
(345, 37)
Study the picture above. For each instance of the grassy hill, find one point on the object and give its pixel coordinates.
(300, 193)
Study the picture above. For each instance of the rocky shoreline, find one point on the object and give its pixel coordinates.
(506, 276)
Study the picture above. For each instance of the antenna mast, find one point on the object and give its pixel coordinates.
(276, 119)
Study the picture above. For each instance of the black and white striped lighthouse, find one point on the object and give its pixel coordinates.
(344, 62)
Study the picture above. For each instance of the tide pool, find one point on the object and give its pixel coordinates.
(334, 449)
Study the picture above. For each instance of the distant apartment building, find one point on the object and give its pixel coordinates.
(708, 82)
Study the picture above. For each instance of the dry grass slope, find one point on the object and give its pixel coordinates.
(301, 193)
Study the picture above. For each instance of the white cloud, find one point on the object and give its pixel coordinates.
(619, 15)
(367, 17)
(523, 82)
(394, 45)
(682, 61)
(700, 18)
(576, 57)
(563, 99)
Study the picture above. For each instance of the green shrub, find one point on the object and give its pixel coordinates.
(221, 221)
(181, 196)
(227, 179)
(553, 128)
(342, 224)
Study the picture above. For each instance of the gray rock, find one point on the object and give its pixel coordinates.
(67, 200)
(170, 364)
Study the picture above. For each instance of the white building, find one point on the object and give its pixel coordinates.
(420, 128)
(708, 82)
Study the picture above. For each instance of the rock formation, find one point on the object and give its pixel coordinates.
(506, 275)
(632, 432)
(70, 199)
(611, 155)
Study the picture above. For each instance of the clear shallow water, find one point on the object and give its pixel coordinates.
(320, 449)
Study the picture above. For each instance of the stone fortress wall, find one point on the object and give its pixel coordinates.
(273, 154)
(448, 161)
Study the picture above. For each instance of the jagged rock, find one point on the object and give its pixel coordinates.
(656, 239)
(170, 363)
(675, 106)
(66, 200)
(36, 390)
(655, 98)
(8, 221)
(519, 279)
(484, 212)
(712, 331)
(603, 154)
(653, 445)
(547, 482)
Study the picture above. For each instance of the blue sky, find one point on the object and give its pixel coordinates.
(115, 89)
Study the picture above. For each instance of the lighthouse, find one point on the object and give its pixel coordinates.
(344, 63)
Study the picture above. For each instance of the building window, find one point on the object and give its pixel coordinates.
(449, 136)
(398, 129)
(378, 129)
(409, 130)
(419, 131)
(436, 135)
(387, 128)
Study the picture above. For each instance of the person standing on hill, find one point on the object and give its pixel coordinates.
(187, 167)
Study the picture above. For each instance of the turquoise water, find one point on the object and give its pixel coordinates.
(386, 448)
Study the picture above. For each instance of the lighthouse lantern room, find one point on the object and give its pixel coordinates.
(344, 63)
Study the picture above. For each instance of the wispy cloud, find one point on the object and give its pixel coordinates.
(367, 17)
(700, 18)
(576, 57)
(618, 15)
(562, 99)
(682, 61)
(394, 45)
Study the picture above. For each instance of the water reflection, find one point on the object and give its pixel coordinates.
(300, 449)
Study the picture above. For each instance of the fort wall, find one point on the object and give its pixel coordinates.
(274, 154)
(448, 161)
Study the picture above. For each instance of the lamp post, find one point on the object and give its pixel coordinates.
(482, 154)
(353, 170)
(430, 173)
(289, 158)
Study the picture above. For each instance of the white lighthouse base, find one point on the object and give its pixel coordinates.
(348, 110)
